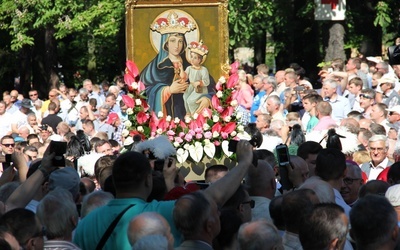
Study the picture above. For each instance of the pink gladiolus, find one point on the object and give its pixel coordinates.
(132, 68)
(208, 135)
(215, 101)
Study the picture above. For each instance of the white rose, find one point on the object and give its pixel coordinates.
(129, 111)
(135, 85)
(186, 146)
(215, 134)
(215, 118)
(177, 120)
(159, 131)
(125, 132)
(187, 119)
(140, 129)
(233, 134)
(222, 79)
(227, 119)
(207, 141)
(138, 102)
(240, 128)
(219, 94)
(176, 144)
(234, 103)
(128, 123)
(169, 118)
(195, 115)
(239, 115)
(206, 127)
(160, 114)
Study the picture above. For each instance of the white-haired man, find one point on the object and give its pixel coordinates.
(390, 97)
(273, 108)
(340, 105)
(378, 148)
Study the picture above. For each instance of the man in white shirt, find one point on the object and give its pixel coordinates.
(5, 120)
(19, 118)
(378, 148)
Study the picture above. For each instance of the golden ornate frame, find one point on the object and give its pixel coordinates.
(210, 15)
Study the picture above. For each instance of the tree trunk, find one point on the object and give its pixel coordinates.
(51, 57)
(91, 66)
(260, 44)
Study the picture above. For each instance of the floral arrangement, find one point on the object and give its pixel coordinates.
(199, 135)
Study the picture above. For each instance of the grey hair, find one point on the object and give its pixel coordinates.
(150, 223)
(271, 80)
(151, 242)
(332, 83)
(94, 200)
(83, 91)
(376, 138)
(275, 99)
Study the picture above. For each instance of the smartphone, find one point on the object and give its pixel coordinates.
(284, 162)
(59, 148)
(8, 161)
(159, 164)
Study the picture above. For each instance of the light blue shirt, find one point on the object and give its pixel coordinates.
(340, 108)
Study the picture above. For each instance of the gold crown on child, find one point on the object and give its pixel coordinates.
(198, 47)
(173, 24)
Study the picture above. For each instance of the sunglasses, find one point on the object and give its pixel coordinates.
(365, 96)
(393, 113)
(33, 94)
(251, 202)
(9, 145)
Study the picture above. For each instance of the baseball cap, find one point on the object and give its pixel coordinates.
(66, 178)
(112, 117)
(393, 195)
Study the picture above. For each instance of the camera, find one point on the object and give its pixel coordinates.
(283, 161)
(159, 164)
(44, 127)
(256, 141)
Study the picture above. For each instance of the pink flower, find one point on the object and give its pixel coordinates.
(188, 137)
(178, 140)
(191, 132)
(199, 136)
(220, 109)
(171, 138)
(224, 135)
(208, 135)
(170, 133)
(181, 134)
(217, 143)
(198, 130)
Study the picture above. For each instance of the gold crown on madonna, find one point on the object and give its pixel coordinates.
(173, 24)
(198, 47)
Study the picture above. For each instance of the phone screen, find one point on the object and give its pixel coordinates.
(283, 154)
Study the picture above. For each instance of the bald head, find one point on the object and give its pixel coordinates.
(259, 235)
(149, 223)
(351, 124)
(261, 180)
(365, 123)
(321, 188)
(301, 165)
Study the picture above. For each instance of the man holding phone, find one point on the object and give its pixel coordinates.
(7, 148)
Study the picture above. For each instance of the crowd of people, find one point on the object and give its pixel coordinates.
(340, 187)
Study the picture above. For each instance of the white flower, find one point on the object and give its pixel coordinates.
(176, 144)
(188, 119)
(240, 128)
(128, 141)
(234, 103)
(227, 118)
(138, 102)
(222, 79)
(215, 118)
(233, 134)
(239, 115)
(186, 146)
(135, 85)
(169, 118)
(206, 127)
(207, 141)
(128, 123)
(125, 132)
(129, 111)
(177, 120)
(219, 94)
(160, 114)
(195, 115)
(140, 129)
(159, 131)
(215, 134)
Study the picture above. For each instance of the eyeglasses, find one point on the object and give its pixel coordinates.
(349, 181)
(393, 113)
(251, 202)
(365, 96)
(9, 145)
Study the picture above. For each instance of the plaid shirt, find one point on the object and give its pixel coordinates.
(117, 135)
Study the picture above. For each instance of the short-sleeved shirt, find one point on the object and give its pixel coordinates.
(92, 227)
